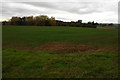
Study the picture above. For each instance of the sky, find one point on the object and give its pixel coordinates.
(101, 11)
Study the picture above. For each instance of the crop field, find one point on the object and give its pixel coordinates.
(59, 52)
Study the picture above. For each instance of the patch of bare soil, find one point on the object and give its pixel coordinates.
(104, 28)
(61, 47)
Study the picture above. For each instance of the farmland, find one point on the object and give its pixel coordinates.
(59, 52)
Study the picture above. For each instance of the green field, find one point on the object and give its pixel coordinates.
(59, 52)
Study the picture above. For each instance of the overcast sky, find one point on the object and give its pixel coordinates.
(103, 11)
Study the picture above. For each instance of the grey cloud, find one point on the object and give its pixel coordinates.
(79, 8)
(71, 7)
(60, 0)
(76, 7)
(11, 11)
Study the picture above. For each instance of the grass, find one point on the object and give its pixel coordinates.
(34, 36)
(44, 64)
(19, 63)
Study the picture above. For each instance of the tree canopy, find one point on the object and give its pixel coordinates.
(43, 20)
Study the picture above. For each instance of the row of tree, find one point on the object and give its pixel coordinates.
(30, 20)
(44, 20)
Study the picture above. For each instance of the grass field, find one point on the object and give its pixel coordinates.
(59, 52)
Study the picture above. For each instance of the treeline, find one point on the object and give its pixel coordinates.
(44, 20)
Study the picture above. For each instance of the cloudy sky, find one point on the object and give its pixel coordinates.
(102, 11)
